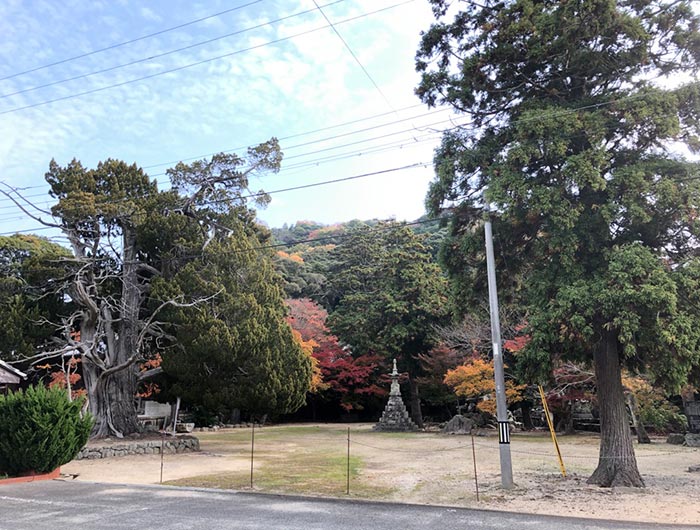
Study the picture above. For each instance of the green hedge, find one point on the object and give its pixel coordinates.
(40, 429)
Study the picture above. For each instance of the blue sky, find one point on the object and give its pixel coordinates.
(305, 82)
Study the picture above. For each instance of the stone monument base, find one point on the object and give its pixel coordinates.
(395, 417)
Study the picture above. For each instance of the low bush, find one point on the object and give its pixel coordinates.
(40, 429)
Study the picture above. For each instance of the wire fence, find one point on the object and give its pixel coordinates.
(473, 455)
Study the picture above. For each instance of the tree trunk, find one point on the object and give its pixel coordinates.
(416, 412)
(111, 397)
(617, 465)
(525, 407)
(111, 401)
(642, 436)
(565, 425)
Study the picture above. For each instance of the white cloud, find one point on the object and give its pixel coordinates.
(301, 84)
(149, 14)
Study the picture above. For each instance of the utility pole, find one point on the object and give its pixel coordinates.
(501, 407)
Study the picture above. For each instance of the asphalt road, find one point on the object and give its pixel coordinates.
(54, 505)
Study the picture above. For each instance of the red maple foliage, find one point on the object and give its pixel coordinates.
(349, 379)
(148, 389)
(68, 372)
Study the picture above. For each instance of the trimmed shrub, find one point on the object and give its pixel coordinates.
(40, 429)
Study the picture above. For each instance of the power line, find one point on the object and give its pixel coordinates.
(359, 120)
(131, 41)
(297, 135)
(320, 140)
(373, 138)
(371, 150)
(346, 155)
(520, 120)
(357, 60)
(539, 117)
(325, 182)
(198, 63)
(394, 145)
(163, 54)
(259, 194)
(403, 144)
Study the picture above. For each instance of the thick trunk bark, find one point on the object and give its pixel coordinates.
(117, 402)
(617, 465)
(111, 401)
(111, 397)
(416, 412)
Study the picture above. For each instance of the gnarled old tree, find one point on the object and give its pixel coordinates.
(131, 245)
(573, 140)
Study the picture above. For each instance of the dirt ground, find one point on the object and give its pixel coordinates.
(423, 468)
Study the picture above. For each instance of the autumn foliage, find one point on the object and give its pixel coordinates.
(292, 257)
(149, 389)
(307, 346)
(474, 380)
(654, 409)
(337, 374)
(65, 374)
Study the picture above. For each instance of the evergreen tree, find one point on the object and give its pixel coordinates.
(572, 141)
(181, 268)
(30, 268)
(235, 350)
(386, 295)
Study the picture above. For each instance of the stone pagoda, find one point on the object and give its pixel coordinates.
(395, 416)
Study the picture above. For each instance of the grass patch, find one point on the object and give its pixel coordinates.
(304, 473)
(287, 433)
(403, 435)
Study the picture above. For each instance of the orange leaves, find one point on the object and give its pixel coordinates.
(307, 347)
(475, 380)
(155, 362)
(65, 375)
(149, 389)
(292, 257)
(635, 384)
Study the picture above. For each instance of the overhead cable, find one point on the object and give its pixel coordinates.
(131, 41)
(197, 63)
(159, 55)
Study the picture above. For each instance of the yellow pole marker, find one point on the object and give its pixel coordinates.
(551, 430)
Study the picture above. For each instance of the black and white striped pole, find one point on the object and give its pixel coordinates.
(501, 406)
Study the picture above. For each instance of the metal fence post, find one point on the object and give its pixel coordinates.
(476, 480)
(348, 468)
(252, 453)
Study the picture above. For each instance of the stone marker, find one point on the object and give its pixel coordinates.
(692, 440)
(395, 416)
(675, 438)
(459, 425)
